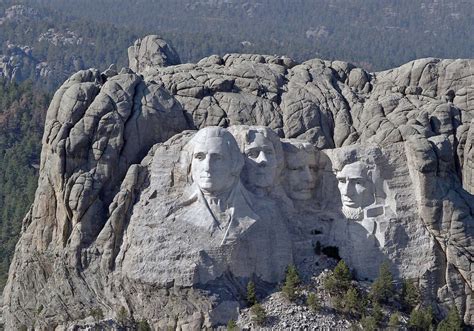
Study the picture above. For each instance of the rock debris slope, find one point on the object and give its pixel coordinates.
(121, 217)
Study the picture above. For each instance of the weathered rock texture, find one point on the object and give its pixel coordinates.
(101, 234)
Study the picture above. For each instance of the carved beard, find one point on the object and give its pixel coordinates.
(353, 213)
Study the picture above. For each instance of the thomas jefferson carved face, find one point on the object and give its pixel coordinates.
(357, 189)
(260, 167)
(301, 172)
(216, 160)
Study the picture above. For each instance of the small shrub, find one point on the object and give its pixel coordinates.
(97, 314)
(313, 302)
(377, 313)
(394, 321)
(292, 280)
(452, 322)
(259, 315)
(251, 295)
(231, 325)
(368, 323)
(421, 319)
(122, 316)
(143, 325)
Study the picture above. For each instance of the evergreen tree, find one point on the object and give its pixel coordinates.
(292, 280)
(452, 322)
(351, 301)
(410, 294)
(251, 295)
(421, 319)
(313, 302)
(394, 322)
(259, 315)
(340, 279)
(382, 288)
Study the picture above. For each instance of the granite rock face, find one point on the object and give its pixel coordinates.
(137, 209)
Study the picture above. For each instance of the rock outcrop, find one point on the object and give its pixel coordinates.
(135, 209)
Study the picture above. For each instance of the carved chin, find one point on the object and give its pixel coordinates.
(350, 213)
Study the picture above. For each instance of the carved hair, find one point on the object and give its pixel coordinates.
(294, 146)
(244, 133)
(215, 132)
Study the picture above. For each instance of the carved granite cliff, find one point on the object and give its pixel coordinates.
(165, 190)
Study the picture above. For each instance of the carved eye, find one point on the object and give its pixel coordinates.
(253, 154)
(342, 180)
(269, 151)
(199, 156)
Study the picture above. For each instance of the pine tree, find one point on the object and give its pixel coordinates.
(351, 301)
(340, 279)
(382, 288)
(421, 319)
(313, 302)
(452, 322)
(292, 280)
(259, 315)
(394, 322)
(251, 295)
(410, 294)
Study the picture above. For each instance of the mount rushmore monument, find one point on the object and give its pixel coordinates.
(165, 188)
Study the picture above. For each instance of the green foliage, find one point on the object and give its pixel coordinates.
(340, 279)
(207, 27)
(350, 301)
(410, 294)
(377, 313)
(368, 323)
(292, 280)
(231, 325)
(382, 288)
(259, 315)
(22, 114)
(97, 314)
(143, 325)
(251, 295)
(313, 302)
(421, 319)
(452, 322)
(122, 316)
(394, 321)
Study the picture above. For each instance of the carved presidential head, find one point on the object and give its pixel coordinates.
(263, 153)
(357, 188)
(300, 169)
(216, 161)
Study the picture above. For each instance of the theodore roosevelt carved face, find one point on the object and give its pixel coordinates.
(300, 172)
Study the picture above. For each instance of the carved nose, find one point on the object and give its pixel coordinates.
(308, 175)
(262, 159)
(343, 188)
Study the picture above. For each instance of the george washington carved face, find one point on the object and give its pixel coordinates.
(216, 161)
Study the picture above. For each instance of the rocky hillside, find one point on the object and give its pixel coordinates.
(136, 213)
